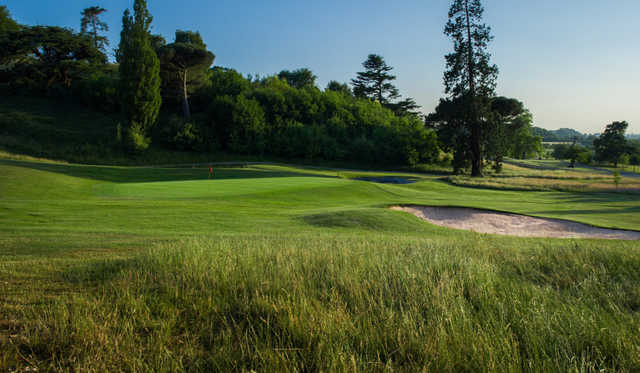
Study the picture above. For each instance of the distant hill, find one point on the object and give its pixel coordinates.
(563, 135)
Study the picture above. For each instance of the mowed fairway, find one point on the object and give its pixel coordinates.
(278, 268)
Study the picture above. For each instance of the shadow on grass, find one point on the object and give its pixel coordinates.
(153, 174)
(98, 272)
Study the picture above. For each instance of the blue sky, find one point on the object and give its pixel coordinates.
(574, 63)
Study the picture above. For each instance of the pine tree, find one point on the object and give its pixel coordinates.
(469, 74)
(188, 60)
(91, 17)
(139, 76)
(375, 81)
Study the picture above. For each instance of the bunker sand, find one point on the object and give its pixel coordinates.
(483, 221)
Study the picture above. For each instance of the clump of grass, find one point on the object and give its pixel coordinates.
(324, 303)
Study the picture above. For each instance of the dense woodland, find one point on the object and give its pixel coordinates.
(167, 94)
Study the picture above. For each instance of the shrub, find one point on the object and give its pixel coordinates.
(136, 140)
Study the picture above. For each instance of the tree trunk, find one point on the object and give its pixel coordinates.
(95, 31)
(476, 151)
(476, 135)
(185, 97)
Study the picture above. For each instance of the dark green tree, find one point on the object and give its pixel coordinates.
(612, 144)
(507, 117)
(299, 78)
(90, 23)
(7, 23)
(43, 56)
(375, 82)
(139, 76)
(188, 60)
(525, 143)
(157, 42)
(407, 106)
(339, 87)
(577, 153)
(469, 73)
(449, 122)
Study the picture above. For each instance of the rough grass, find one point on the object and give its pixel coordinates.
(273, 268)
(341, 304)
(537, 178)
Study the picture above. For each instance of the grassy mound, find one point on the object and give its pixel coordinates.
(369, 219)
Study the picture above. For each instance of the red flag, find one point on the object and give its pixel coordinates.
(210, 170)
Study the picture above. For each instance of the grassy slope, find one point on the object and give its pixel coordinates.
(281, 268)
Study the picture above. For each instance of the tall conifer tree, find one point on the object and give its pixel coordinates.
(139, 76)
(91, 18)
(375, 81)
(469, 75)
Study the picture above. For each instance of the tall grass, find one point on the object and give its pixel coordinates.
(343, 303)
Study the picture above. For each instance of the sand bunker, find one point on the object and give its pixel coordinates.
(483, 221)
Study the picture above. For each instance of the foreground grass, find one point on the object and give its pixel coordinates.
(274, 268)
(327, 303)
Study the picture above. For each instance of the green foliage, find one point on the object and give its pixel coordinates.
(119, 133)
(525, 144)
(139, 69)
(225, 81)
(272, 117)
(505, 122)
(247, 132)
(375, 84)
(136, 139)
(339, 87)
(634, 152)
(574, 153)
(239, 124)
(299, 78)
(184, 65)
(44, 58)
(577, 153)
(182, 135)
(612, 144)
(450, 122)
(7, 24)
(99, 89)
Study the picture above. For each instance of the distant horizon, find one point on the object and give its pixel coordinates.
(568, 62)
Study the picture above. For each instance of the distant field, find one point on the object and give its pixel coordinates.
(530, 175)
(282, 268)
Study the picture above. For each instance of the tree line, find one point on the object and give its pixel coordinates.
(168, 93)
